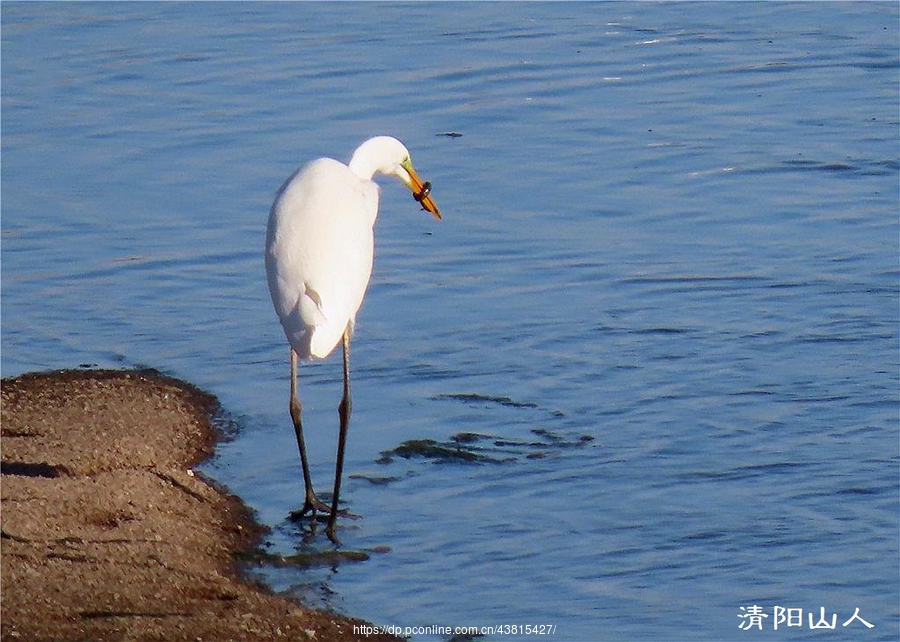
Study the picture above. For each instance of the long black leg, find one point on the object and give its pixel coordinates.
(311, 503)
(344, 411)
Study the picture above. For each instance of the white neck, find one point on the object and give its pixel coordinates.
(382, 154)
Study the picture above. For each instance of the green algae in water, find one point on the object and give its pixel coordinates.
(435, 450)
(311, 559)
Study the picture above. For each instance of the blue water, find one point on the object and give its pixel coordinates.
(664, 296)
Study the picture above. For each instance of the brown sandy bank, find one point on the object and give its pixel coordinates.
(107, 535)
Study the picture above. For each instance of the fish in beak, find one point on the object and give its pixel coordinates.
(421, 191)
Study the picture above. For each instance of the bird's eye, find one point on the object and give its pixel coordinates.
(426, 190)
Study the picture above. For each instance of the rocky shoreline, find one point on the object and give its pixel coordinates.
(106, 532)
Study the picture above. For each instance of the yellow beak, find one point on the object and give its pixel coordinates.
(422, 192)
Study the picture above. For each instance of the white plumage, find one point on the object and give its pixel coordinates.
(319, 253)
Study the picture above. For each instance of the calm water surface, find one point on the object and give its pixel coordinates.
(660, 316)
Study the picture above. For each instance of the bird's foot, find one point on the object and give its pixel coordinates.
(314, 505)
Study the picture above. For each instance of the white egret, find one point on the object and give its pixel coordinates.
(319, 250)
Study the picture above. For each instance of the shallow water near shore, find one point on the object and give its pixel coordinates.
(642, 378)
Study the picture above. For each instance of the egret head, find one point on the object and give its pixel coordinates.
(387, 155)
